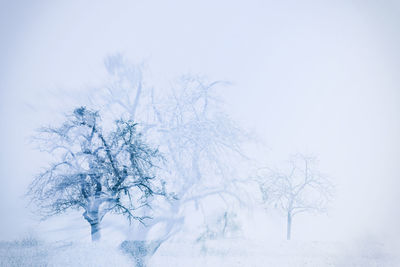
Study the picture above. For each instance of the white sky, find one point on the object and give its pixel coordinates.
(318, 76)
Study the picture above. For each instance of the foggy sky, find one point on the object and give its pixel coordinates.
(318, 77)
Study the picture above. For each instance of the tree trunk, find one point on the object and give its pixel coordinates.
(95, 231)
(289, 226)
(92, 218)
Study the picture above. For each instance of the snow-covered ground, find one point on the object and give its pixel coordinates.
(293, 253)
(61, 254)
(234, 252)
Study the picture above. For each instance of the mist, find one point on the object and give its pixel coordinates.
(315, 77)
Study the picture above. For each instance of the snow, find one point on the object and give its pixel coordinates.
(62, 254)
(285, 253)
(227, 252)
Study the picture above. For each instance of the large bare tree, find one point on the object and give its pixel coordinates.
(96, 170)
(299, 188)
(201, 144)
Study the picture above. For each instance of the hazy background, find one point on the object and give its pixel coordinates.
(317, 77)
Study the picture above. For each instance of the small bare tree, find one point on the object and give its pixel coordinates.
(300, 188)
(96, 171)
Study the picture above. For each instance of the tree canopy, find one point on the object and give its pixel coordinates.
(95, 170)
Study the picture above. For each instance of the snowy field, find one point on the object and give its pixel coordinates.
(237, 252)
(200, 133)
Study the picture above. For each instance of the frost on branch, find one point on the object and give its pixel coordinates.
(299, 188)
(96, 171)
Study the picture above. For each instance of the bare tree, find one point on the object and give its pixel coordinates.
(201, 144)
(96, 171)
(298, 189)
